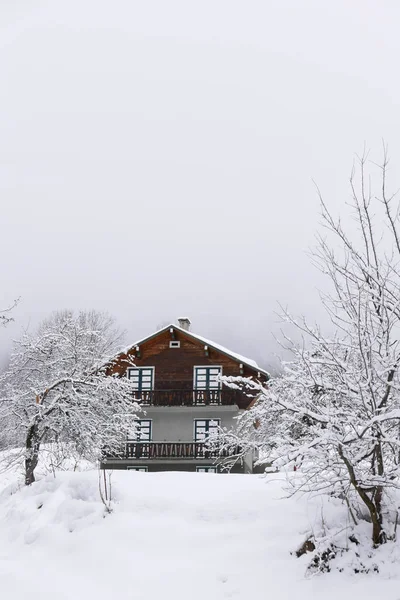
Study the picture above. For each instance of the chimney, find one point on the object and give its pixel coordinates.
(184, 323)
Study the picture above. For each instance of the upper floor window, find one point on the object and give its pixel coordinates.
(207, 378)
(142, 378)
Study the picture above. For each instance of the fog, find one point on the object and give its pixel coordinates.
(157, 158)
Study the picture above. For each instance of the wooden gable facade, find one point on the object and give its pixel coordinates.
(175, 357)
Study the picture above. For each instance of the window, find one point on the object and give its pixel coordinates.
(174, 344)
(206, 470)
(145, 469)
(207, 385)
(138, 442)
(142, 378)
(203, 428)
(207, 378)
(144, 430)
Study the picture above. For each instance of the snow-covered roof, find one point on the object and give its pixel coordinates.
(241, 359)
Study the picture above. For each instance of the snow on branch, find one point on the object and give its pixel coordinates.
(60, 387)
(334, 413)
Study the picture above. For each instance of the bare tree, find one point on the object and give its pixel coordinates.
(5, 313)
(335, 411)
(5, 318)
(58, 388)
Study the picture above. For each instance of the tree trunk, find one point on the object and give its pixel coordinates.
(32, 453)
(373, 503)
(378, 533)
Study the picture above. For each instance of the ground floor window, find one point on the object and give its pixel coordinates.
(206, 470)
(145, 469)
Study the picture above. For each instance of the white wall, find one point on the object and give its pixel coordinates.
(173, 424)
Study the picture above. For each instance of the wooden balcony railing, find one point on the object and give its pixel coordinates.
(182, 397)
(171, 450)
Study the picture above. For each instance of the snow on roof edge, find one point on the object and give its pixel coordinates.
(243, 359)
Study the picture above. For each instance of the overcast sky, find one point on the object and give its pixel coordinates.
(157, 157)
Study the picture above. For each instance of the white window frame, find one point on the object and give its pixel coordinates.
(174, 344)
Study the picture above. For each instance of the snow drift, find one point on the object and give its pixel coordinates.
(171, 535)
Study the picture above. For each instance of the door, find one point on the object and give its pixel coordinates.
(203, 429)
(140, 442)
(207, 385)
(142, 379)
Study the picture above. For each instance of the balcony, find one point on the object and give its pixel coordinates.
(184, 397)
(171, 450)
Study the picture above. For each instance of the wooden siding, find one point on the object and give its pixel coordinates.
(174, 366)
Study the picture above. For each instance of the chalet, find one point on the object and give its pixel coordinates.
(176, 379)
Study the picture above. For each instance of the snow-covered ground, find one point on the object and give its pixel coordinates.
(175, 536)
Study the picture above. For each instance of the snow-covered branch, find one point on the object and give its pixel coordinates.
(58, 388)
(334, 413)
